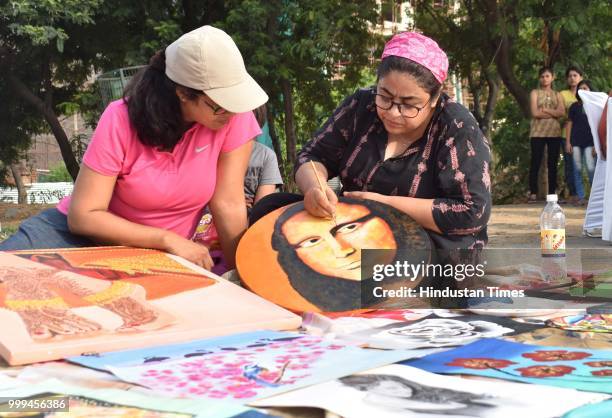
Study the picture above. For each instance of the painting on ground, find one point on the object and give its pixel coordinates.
(316, 265)
(240, 367)
(397, 391)
(581, 369)
(70, 302)
(434, 332)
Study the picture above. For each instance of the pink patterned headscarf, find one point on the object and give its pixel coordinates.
(420, 49)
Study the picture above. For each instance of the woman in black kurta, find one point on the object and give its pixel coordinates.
(448, 164)
(405, 143)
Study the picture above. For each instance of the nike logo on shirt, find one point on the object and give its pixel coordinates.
(200, 149)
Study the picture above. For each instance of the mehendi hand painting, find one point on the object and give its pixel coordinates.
(41, 298)
(70, 302)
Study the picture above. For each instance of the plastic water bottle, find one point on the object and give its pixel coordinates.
(552, 240)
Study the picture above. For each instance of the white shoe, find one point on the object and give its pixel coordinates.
(592, 233)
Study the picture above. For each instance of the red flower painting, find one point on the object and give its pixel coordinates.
(545, 371)
(599, 363)
(604, 372)
(480, 363)
(556, 355)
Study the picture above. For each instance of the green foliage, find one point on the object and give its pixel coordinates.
(59, 173)
(550, 32)
(511, 151)
(304, 42)
(16, 128)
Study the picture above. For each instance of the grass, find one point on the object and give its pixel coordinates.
(7, 231)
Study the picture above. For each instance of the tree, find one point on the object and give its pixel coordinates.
(41, 68)
(488, 40)
(302, 52)
(16, 128)
(519, 36)
(471, 57)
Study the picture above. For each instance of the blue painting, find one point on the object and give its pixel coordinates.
(581, 369)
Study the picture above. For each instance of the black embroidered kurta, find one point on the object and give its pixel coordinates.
(449, 164)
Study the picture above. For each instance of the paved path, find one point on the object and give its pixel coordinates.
(514, 226)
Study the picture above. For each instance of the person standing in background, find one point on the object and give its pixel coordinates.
(547, 107)
(573, 76)
(579, 140)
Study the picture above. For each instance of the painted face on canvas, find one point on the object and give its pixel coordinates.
(392, 388)
(335, 250)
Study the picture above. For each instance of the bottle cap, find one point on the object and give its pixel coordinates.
(551, 198)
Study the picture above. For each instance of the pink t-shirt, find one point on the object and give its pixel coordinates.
(163, 189)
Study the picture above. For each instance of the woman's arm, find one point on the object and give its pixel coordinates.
(559, 111)
(228, 203)
(263, 191)
(88, 215)
(568, 143)
(535, 111)
(270, 176)
(325, 149)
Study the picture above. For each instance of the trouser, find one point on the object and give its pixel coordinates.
(568, 171)
(48, 229)
(583, 154)
(537, 152)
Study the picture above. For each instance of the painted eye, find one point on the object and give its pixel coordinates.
(348, 228)
(309, 242)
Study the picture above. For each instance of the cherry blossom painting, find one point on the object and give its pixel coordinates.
(130, 298)
(581, 369)
(240, 367)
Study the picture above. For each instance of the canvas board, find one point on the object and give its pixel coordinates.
(129, 298)
(314, 264)
(436, 332)
(400, 391)
(240, 367)
(583, 369)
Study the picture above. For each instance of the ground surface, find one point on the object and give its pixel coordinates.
(513, 226)
(11, 215)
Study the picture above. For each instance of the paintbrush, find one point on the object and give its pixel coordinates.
(314, 168)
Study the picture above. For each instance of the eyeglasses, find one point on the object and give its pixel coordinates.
(406, 110)
(217, 110)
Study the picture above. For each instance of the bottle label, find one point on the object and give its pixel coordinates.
(552, 242)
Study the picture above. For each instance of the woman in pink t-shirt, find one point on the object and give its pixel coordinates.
(178, 140)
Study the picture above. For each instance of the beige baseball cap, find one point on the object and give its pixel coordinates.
(207, 59)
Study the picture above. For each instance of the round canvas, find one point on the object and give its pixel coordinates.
(305, 263)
